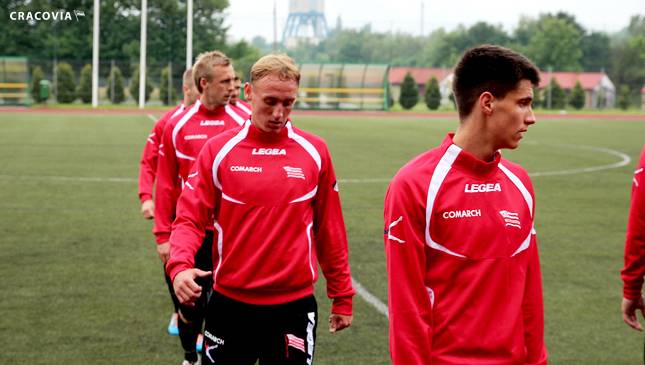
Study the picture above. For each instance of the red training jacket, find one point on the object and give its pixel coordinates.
(183, 138)
(148, 165)
(632, 273)
(277, 214)
(463, 270)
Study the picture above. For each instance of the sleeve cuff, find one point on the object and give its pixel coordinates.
(173, 269)
(162, 237)
(145, 196)
(342, 305)
(629, 293)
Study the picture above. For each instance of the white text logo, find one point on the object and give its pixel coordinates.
(482, 188)
(32, 16)
(269, 151)
(255, 169)
(195, 136)
(466, 213)
(208, 123)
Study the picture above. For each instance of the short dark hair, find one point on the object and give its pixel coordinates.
(490, 68)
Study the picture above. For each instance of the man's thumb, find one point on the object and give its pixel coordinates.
(202, 274)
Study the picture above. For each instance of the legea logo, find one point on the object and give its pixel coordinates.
(36, 16)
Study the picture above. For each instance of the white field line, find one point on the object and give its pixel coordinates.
(624, 160)
(370, 298)
(152, 118)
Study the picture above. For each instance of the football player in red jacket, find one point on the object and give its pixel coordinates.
(270, 190)
(183, 138)
(634, 270)
(462, 259)
(148, 173)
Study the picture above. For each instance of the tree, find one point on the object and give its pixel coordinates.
(134, 87)
(596, 52)
(166, 95)
(244, 56)
(115, 91)
(433, 94)
(555, 44)
(409, 92)
(66, 88)
(85, 84)
(628, 55)
(36, 76)
(558, 97)
(577, 98)
(537, 98)
(623, 97)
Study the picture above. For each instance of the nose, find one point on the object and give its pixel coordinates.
(530, 117)
(278, 112)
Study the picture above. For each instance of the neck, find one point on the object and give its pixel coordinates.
(208, 105)
(472, 137)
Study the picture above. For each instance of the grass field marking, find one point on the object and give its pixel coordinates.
(152, 117)
(624, 160)
(370, 298)
(71, 178)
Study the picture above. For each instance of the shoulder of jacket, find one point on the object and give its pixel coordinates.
(418, 171)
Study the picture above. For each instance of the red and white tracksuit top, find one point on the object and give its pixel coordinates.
(244, 106)
(277, 214)
(632, 273)
(183, 138)
(148, 165)
(463, 270)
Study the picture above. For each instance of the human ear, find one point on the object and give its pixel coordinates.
(486, 103)
(248, 94)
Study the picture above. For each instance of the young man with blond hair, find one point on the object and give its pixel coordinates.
(462, 259)
(272, 191)
(183, 139)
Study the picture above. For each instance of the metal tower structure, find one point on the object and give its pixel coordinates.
(306, 22)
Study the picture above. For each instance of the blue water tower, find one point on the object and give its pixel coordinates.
(306, 23)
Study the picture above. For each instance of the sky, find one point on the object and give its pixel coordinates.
(249, 18)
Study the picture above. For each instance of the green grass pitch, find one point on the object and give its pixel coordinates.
(81, 282)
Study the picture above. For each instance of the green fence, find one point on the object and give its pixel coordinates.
(343, 86)
(14, 80)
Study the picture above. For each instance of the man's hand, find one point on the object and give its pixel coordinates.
(148, 209)
(186, 289)
(629, 308)
(338, 322)
(163, 250)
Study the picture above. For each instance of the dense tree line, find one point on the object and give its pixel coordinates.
(70, 42)
(553, 41)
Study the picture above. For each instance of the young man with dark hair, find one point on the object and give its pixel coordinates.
(463, 270)
(272, 191)
(634, 270)
(183, 138)
(148, 173)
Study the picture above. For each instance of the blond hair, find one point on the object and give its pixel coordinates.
(188, 76)
(280, 65)
(204, 65)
